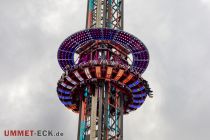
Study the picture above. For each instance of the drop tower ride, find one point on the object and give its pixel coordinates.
(103, 67)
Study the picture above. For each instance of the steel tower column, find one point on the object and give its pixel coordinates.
(105, 13)
(108, 14)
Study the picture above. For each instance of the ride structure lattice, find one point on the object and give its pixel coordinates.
(102, 68)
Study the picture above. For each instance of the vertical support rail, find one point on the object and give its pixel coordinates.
(106, 111)
(90, 13)
(93, 114)
(100, 111)
(79, 122)
(82, 120)
(87, 14)
(109, 14)
(121, 115)
(122, 15)
(116, 114)
(98, 14)
(104, 13)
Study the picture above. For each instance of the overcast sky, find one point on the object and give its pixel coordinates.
(176, 33)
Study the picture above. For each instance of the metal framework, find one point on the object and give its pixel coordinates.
(105, 13)
(99, 117)
(102, 86)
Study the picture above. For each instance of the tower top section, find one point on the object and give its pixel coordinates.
(103, 54)
(105, 14)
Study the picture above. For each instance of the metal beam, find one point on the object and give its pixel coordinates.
(79, 122)
(121, 115)
(100, 111)
(93, 114)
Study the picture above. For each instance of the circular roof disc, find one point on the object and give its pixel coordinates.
(139, 51)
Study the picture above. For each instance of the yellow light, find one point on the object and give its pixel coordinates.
(109, 72)
(128, 79)
(119, 75)
(98, 72)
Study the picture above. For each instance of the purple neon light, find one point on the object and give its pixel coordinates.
(138, 89)
(138, 101)
(67, 103)
(64, 97)
(134, 84)
(139, 95)
(138, 49)
(63, 91)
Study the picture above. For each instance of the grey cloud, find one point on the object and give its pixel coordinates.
(176, 33)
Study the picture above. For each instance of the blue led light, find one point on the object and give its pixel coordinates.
(138, 101)
(134, 84)
(82, 130)
(67, 103)
(139, 89)
(139, 95)
(136, 95)
(64, 91)
(64, 97)
(86, 92)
